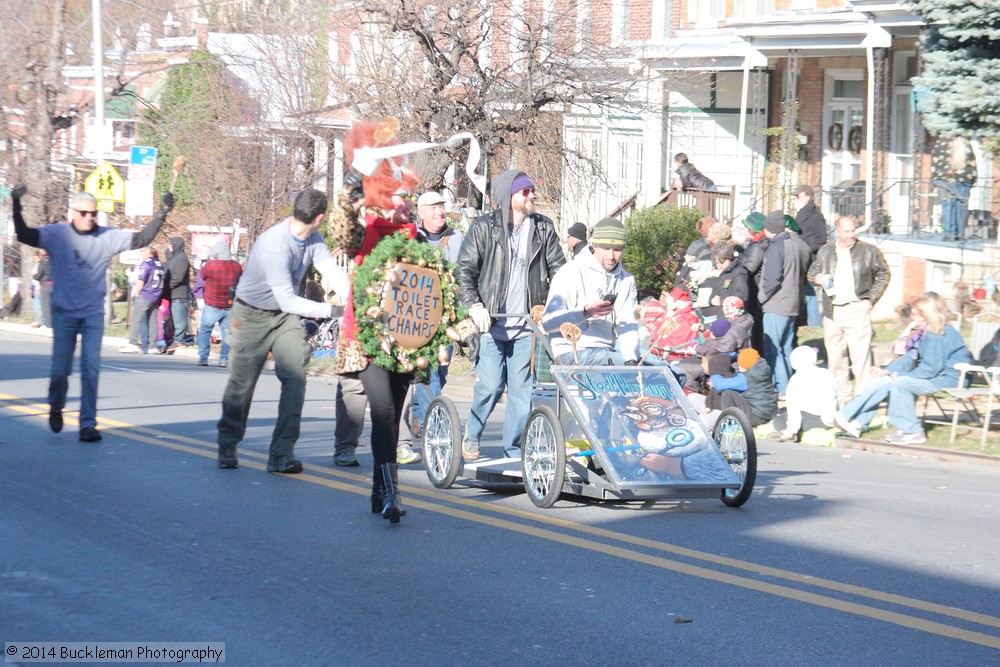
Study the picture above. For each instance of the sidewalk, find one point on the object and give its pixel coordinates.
(110, 344)
(460, 387)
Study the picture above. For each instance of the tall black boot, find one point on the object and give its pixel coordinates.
(392, 508)
(378, 490)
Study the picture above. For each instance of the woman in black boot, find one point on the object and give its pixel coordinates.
(386, 391)
(402, 310)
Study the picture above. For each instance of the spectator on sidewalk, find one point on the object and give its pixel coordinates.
(576, 239)
(43, 289)
(927, 366)
(759, 400)
(177, 289)
(812, 228)
(782, 279)
(752, 259)
(852, 276)
(146, 295)
(216, 286)
(811, 400)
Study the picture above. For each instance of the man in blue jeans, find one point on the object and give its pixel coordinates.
(783, 273)
(216, 286)
(80, 252)
(506, 265)
(434, 230)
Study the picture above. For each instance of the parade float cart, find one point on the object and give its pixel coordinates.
(605, 432)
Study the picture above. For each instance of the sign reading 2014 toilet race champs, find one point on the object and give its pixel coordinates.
(406, 305)
(412, 304)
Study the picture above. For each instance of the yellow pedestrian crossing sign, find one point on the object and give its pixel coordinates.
(105, 183)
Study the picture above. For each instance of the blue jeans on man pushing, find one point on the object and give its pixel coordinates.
(502, 363)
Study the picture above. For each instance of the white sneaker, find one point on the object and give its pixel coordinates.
(852, 429)
(405, 455)
(129, 349)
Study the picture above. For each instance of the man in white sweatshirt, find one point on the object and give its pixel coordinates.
(595, 293)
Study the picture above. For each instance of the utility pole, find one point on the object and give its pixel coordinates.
(100, 148)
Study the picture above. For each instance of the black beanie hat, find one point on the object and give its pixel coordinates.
(775, 222)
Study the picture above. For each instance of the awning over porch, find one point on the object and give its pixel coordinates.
(695, 52)
(815, 35)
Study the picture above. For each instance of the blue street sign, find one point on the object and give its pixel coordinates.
(143, 155)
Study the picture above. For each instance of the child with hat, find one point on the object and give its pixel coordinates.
(811, 399)
(751, 389)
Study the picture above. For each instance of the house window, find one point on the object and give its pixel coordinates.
(621, 19)
(629, 165)
(518, 28)
(711, 11)
(662, 15)
(124, 132)
(582, 24)
(851, 89)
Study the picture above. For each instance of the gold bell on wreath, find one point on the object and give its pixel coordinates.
(386, 347)
(373, 312)
(422, 362)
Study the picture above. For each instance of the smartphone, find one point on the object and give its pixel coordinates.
(610, 298)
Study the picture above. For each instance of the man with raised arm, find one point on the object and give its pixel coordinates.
(80, 252)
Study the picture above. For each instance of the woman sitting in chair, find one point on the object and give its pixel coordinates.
(927, 366)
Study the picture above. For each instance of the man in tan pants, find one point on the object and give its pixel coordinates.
(851, 276)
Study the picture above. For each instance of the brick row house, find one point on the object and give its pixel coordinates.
(763, 95)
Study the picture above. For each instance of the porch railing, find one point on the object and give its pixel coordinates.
(625, 208)
(716, 204)
(912, 207)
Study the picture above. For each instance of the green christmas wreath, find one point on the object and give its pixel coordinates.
(371, 283)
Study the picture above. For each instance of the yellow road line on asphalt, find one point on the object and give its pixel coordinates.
(208, 450)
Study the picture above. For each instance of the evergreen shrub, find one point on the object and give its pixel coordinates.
(657, 239)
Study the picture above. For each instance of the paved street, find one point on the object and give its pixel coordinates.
(841, 557)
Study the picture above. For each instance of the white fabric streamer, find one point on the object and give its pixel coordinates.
(367, 159)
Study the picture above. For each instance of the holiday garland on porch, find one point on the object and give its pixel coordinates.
(373, 281)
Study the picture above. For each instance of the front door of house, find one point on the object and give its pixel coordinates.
(843, 139)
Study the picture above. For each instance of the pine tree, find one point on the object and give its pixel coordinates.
(961, 75)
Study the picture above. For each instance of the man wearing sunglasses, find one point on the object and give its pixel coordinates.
(80, 253)
(506, 264)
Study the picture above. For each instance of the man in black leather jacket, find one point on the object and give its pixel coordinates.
(506, 265)
(689, 175)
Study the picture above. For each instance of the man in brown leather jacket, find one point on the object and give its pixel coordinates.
(851, 276)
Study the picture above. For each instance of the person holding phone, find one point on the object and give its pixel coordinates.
(594, 292)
